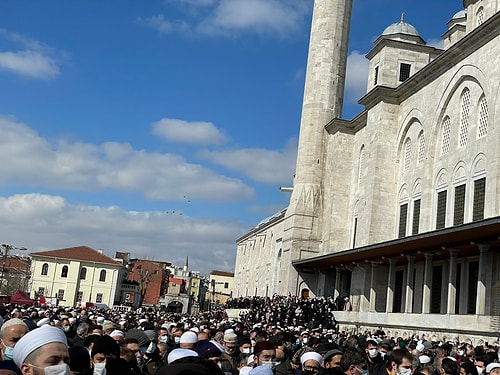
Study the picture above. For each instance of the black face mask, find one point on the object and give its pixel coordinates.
(310, 372)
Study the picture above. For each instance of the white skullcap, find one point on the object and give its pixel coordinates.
(229, 330)
(245, 370)
(195, 329)
(189, 337)
(420, 347)
(490, 367)
(424, 359)
(35, 339)
(311, 355)
(117, 332)
(43, 322)
(180, 353)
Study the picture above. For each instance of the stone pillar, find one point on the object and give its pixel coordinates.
(391, 282)
(463, 290)
(373, 292)
(481, 280)
(452, 282)
(426, 295)
(409, 284)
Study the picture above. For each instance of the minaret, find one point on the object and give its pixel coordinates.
(323, 100)
(186, 265)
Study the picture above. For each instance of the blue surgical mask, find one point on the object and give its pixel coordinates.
(9, 353)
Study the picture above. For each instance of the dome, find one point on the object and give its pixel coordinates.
(401, 27)
(460, 14)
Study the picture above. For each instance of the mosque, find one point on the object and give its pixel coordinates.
(397, 209)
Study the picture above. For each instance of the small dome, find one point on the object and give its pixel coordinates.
(460, 14)
(401, 27)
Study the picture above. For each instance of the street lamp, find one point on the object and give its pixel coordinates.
(6, 248)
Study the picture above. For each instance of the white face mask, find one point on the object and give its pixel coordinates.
(372, 353)
(269, 364)
(479, 370)
(304, 340)
(62, 369)
(247, 350)
(404, 371)
(99, 368)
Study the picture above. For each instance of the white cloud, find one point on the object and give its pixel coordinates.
(356, 77)
(436, 43)
(55, 224)
(27, 158)
(34, 59)
(268, 166)
(227, 17)
(204, 133)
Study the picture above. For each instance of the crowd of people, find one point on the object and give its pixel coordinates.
(283, 335)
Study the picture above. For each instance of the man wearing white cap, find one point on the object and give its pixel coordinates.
(493, 368)
(188, 340)
(43, 350)
(311, 363)
(10, 333)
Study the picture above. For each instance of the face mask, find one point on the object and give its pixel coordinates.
(309, 372)
(404, 371)
(177, 340)
(304, 340)
(382, 354)
(62, 369)
(247, 350)
(479, 370)
(229, 351)
(99, 368)
(9, 353)
(269, 364)
(66, 328)
(460, 353)
(297, 342)
(164, 339)
(372, 353)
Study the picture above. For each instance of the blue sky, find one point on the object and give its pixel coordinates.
(162, 128)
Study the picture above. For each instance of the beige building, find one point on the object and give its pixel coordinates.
(221, 286)
(78, 275)
(397, 208)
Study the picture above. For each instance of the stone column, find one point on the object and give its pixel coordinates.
(481, 280)
(426, 295)
(373, 292)
(452, 281)
(391, 282)
(409, 284)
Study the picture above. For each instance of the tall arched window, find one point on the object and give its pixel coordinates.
(64, 272)
(407, 151)
(480, 16)
(102, 275)
(45, 269)
(482, 129)
(83, 273)
(361, 165)
(445, 140)
(421, 148)
(464, 118)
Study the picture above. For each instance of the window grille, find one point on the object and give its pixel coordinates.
(421, 148)
(404, 72)
(407, 154)
(478, 205)
(416, 217)
(403, 217)
(441, 210)
(459, 209)
(445, 144)
(464, 118)
(483, 118)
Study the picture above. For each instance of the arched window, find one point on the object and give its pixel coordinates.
(361, 165)
(407, 154)
(102, 275)
(421, 148)
(483, 118)
(480, 16)
(45, 269)
(64, 272)
(465, 118)
(83, 273)
(445, 140)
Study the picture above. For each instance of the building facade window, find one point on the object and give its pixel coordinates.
(83, 273)
(464, 118)
(445, 139)
(480, 16)
(361, 166)
(404, 71)
(102, 276)
(64, 271)
(459, 206)
(482, 129)
(79, 296)
(375, 76)
(45, 269)
(403, 219)
(421, 148)
(98, 298)
(441, 209)
(478, 203)
(41, 291)
(226, 285)
(407, 161)
(60, 294)
(415, 227)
